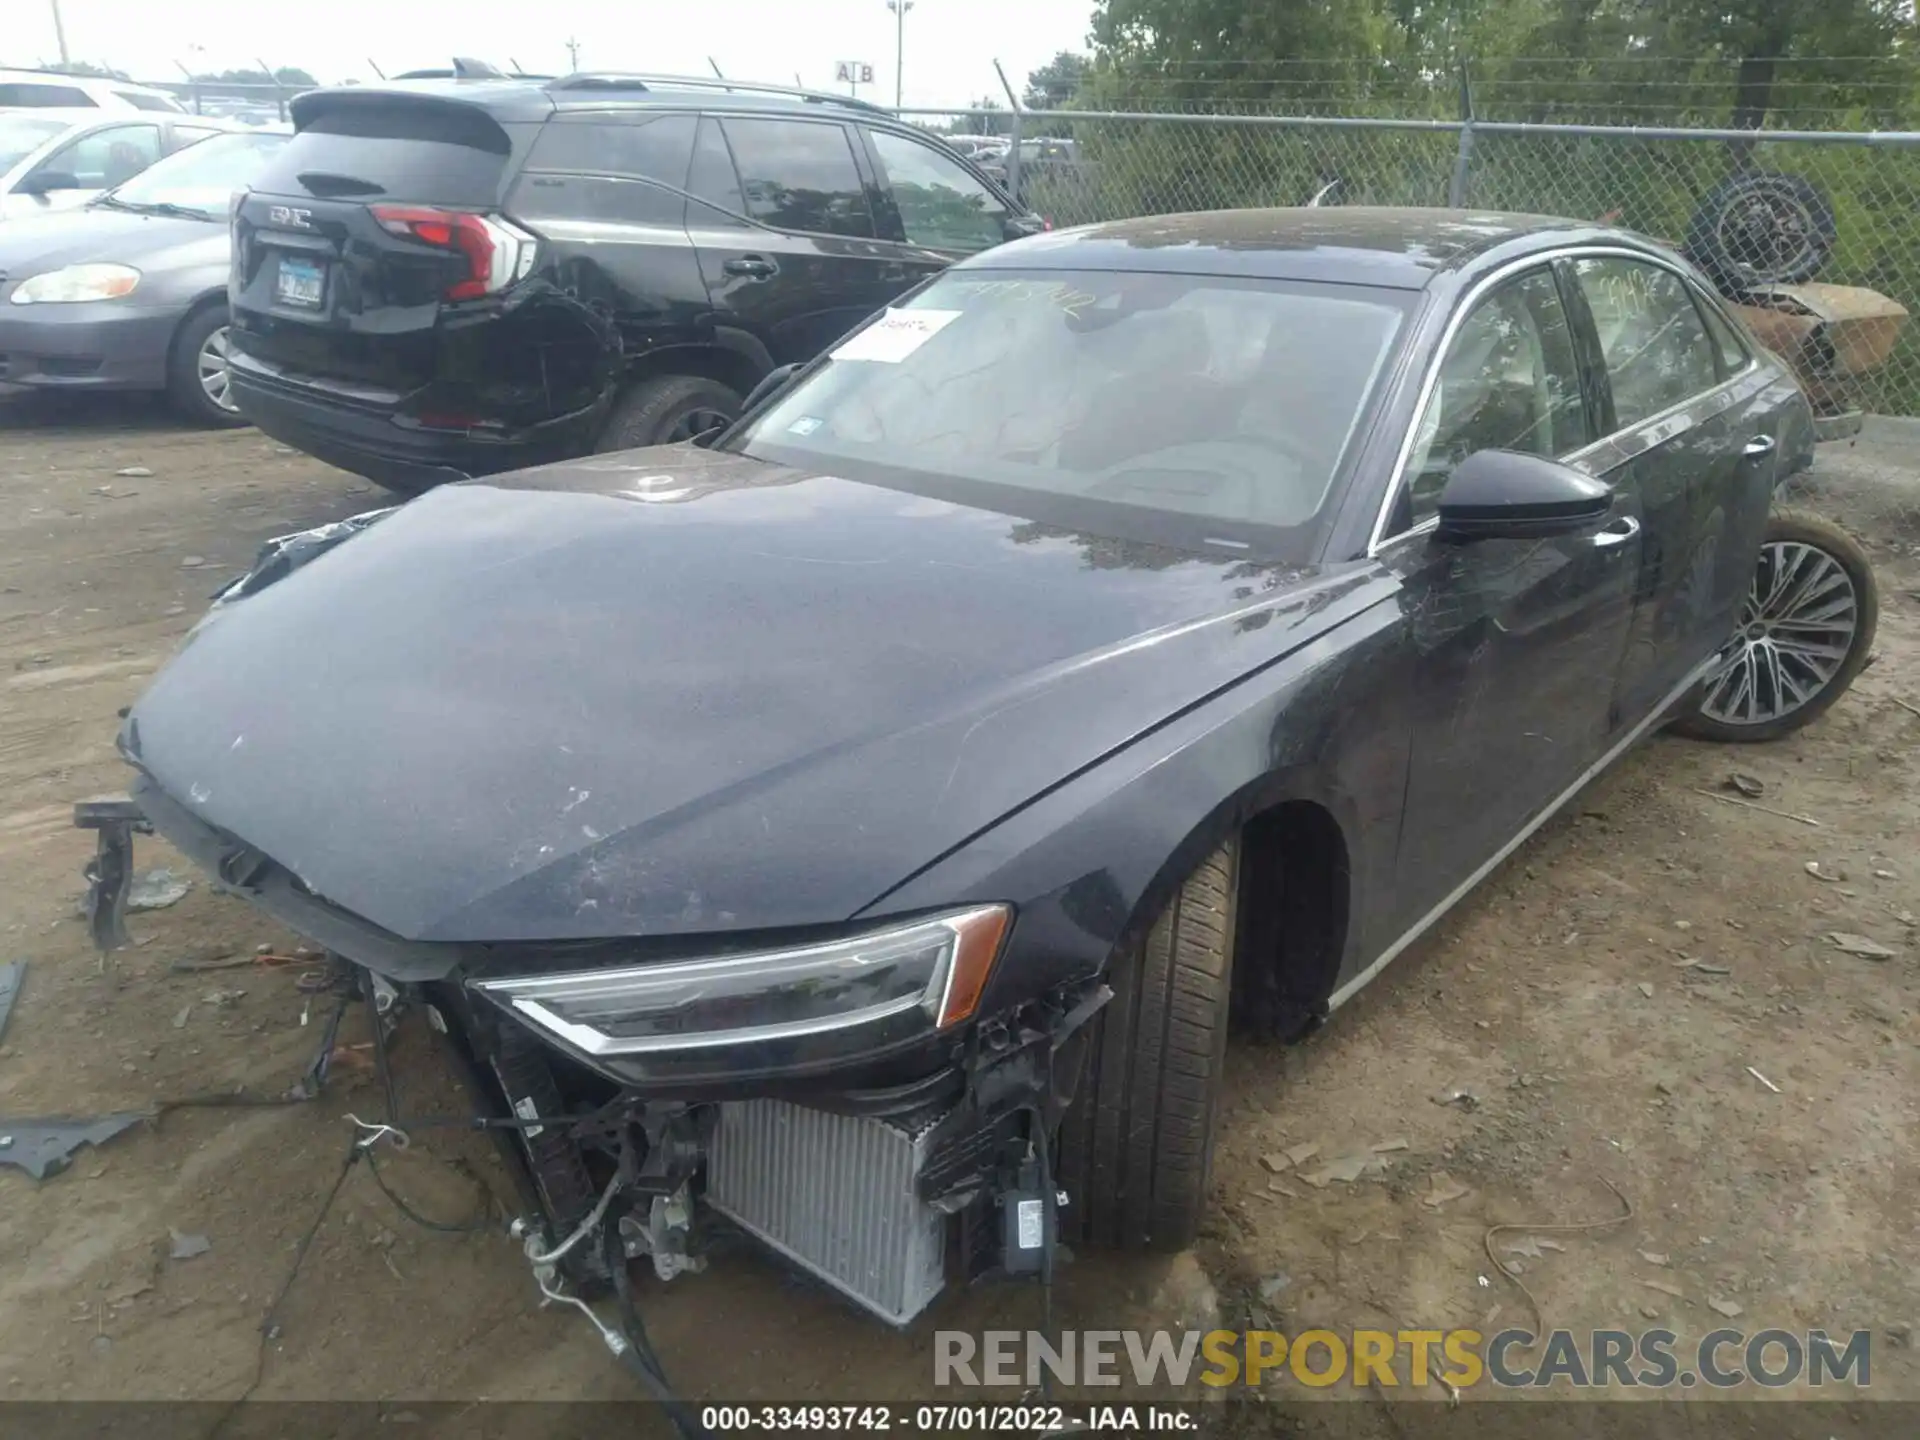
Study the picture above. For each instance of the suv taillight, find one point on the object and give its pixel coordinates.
(497, 253)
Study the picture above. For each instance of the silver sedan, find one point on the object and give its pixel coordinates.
(130, 291)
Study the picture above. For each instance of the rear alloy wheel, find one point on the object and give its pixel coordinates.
(199, 384)
(1805, 633)
(1136, 1147)
(668, 410)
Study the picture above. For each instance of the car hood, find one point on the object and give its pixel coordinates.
(92, 235)
(675, 691)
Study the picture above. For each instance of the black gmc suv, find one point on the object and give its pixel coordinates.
(444, 278)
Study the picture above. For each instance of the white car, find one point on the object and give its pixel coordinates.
(58, 159)
(52, 89)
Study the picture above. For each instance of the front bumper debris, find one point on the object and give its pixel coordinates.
(109, 875)
(884, 1178)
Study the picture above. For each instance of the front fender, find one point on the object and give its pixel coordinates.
(1089, 864)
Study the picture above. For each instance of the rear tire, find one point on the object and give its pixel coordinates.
(197, 385)
(666, 410)
(1802, 539)
(1136, 1147)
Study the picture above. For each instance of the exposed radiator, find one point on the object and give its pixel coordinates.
(834, 1194)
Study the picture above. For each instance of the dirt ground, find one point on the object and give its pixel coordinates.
(1560, 999)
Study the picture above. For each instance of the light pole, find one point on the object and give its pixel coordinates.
(899, 9)
(60, 34)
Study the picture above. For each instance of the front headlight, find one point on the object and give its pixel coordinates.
(75, 283)
(914, 978)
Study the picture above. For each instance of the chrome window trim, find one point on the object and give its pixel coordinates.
(1378, 538)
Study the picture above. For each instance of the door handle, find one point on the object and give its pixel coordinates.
(1757, 448)
(756, 267)
(1617, 533)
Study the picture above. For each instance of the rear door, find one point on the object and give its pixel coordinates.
(785, 231)
(606, 192)
(1683, 435)
(334, 283)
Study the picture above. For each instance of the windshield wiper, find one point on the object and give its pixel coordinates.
(155, 207)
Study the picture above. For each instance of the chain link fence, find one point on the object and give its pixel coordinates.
(1833, 215)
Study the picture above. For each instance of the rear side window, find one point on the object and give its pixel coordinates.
(148, 102)
(714, 180)
(37, 95)
(800, 176)
(1726, 340)
(654, 147)
(437, 154)
(1656, 345)
(602, 198)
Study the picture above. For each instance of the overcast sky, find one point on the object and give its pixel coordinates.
(950, 44)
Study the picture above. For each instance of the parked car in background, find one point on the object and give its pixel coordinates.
(868, 825)
(130, 291)
(54, 89)
(1036, 156)
(60, 159)
(445, 278)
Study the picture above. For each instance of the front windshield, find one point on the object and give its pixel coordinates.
(202, 177)
(1226, 404)
(21, 135)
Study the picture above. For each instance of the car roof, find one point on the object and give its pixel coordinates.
(67, 114)
(80, 82)
(509, 97)
(1399, 248)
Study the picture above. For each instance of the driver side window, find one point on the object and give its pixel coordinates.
(106, 157)
(1509, 381)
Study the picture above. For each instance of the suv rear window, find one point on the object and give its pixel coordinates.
(38, 95)
(800, 175)
(434, 153)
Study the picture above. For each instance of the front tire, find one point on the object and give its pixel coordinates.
(198, 385)
(667, 410)
(1805, 633)
(1136, 1147)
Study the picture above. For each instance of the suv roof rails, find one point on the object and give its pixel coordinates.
(630, 80)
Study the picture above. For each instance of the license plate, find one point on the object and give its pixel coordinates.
(300, 282)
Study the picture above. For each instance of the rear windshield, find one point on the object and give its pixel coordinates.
(140, 100)
(1222, 405)
(29, 93)
(434, 153)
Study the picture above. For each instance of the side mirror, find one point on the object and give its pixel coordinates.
(45, 182)
(1018, 227)
(774, 380)
(1504, 495)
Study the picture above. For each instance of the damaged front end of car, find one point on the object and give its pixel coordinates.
(839, 1100)
(841, 1094)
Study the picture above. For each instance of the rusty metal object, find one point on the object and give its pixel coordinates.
(1830, 335)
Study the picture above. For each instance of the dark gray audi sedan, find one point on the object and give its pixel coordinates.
(867, 825)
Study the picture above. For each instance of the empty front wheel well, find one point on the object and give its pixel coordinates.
(1293, 914)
